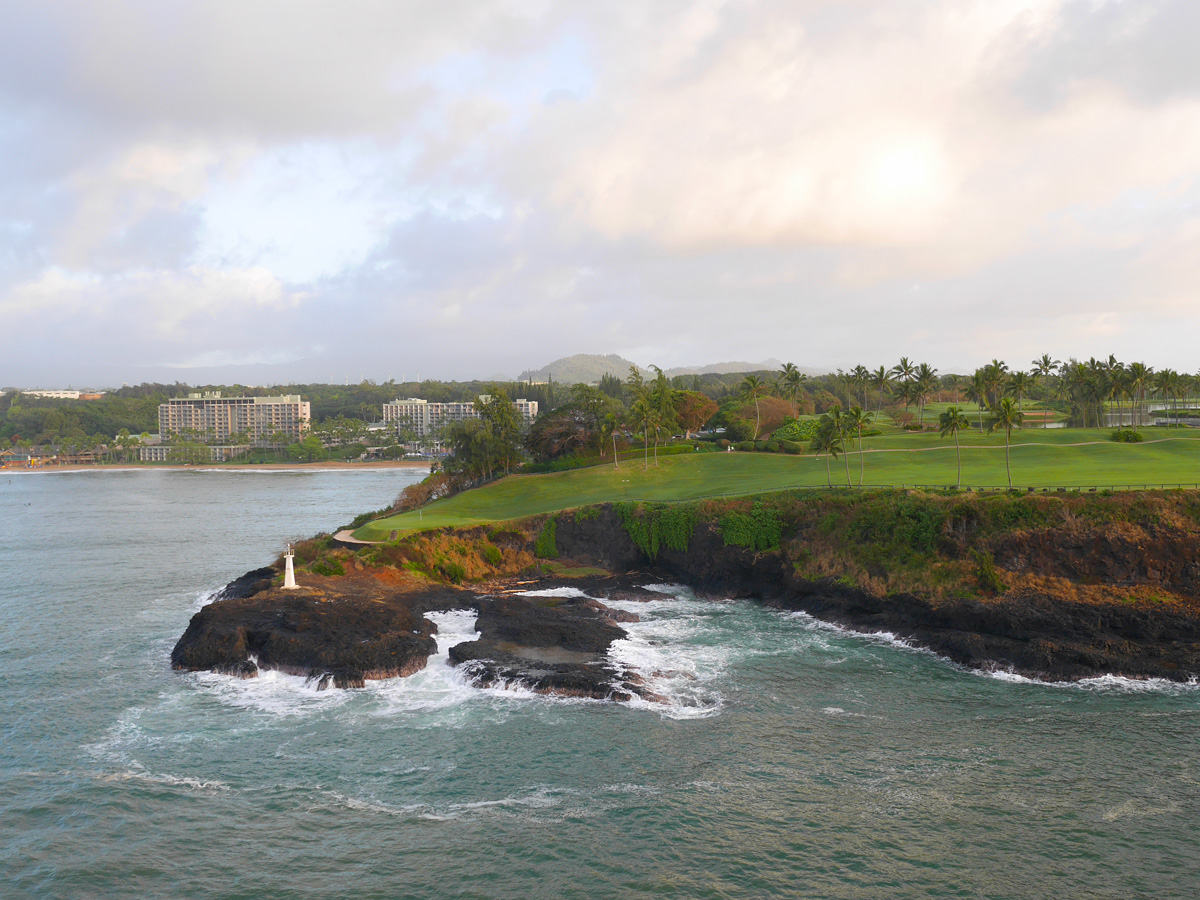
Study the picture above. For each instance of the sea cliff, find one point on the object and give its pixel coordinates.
(1049, 586)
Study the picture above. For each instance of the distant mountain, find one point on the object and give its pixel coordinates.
(588, 367)
(582, 367)
(725, 368)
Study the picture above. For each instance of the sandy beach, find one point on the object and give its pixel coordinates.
(222, 467)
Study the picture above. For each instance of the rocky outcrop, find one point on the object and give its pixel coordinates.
(550, 645)
(339, 637)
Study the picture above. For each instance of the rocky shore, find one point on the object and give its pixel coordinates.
(1050, 588)
(343, 631)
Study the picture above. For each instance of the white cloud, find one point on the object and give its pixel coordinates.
(702, 180)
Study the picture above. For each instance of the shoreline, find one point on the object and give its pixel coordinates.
(327, 465)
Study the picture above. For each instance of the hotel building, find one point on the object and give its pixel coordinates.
(423, 417)
(214, 418)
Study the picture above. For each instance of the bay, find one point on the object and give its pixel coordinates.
(793, 759)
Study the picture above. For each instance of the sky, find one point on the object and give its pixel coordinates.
(268, 191)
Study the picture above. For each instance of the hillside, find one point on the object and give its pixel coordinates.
(582, 367)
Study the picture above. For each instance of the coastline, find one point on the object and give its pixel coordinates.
(324, 465)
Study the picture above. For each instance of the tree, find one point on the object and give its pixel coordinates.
(880, 379)
(951, 422)
(924, 381)
(862, 377)
(976, 392)
(1018, 385)
(753, 387)
(856, 421)
(1007, 416)
(693, 410)
(1140, 376)
(829, 439)
(662, 398)
(789, 383)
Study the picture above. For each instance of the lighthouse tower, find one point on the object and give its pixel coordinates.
(289, 573)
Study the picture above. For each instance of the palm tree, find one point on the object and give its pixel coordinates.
(903, 370)
(663, 399)
(1043, 367)
(839, 421)
(977, 393)
(995, 375)
(1018, 386)
(641, 411)
(925, 380)
(862, 375)
(828, 440)
(951, 422)
(880, 379)
(1006, 415)
(856, 421)
(752, 388)
(1168, 383)
(1139, 380)
(789, 381)
(609, 427)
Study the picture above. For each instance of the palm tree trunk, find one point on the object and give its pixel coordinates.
(1007, 466)
(757, 417)
(958, 453)
(616, 462)
(846, 459)
(656, 447)
(828, 476)
(860, 458)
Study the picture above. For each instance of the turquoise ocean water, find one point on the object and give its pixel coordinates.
(794, 760)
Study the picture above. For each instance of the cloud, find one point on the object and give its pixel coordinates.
(473, 186)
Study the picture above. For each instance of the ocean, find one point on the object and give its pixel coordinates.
(793, 759)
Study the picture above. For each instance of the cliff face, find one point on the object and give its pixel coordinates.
(1073, 600)
(1056, 587)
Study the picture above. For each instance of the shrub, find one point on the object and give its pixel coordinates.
(453, 572)
(795, 430)
(654, 527)
(756, 530)
(744, 446)
(491, 554)
(791, 446)
(986, 574)
(545, 546)
(1126, 436)
(327, 566)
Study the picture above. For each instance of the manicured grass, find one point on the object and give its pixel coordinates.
(1040, 458)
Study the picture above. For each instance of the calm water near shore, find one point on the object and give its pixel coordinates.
(793, 760)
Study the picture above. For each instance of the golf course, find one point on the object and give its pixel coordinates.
(1070, 458)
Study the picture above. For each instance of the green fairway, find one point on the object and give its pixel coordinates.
(1040, 458)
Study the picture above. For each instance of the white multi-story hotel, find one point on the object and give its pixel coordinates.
(214, 418)
(423, 417)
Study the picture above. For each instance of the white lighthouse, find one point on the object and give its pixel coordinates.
(289, 573)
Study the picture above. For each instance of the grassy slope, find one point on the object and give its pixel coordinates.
(1046, 459)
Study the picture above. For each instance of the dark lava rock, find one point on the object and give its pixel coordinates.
(248, 585)
(551, 645)
(344, 638)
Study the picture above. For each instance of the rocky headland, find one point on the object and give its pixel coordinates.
(1049, 586)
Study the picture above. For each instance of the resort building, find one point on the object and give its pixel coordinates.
(422, 417)
(162, 453)
(65, 395)
(211, 418)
